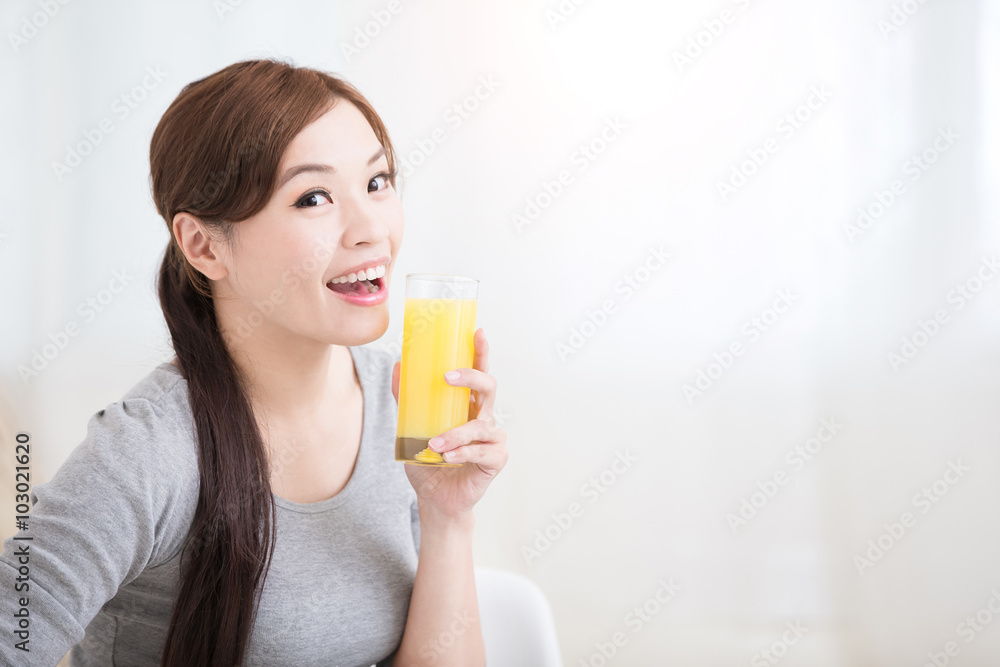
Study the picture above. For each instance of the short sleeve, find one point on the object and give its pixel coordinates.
(103, 517)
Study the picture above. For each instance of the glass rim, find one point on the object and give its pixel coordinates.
(442, 278)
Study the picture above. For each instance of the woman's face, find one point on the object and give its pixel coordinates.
(334, 209)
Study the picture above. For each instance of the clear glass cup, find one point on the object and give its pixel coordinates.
(439, 322)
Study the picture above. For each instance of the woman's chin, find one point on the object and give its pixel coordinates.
(361, 331)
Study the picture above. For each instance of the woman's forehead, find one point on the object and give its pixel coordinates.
(341, 132)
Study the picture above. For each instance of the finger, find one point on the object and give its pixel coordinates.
(491, 457)
(486, 416)
(395, 382)
(474, 430)
(481, 362)
(483, 396)
(483, 384)
(481, 358)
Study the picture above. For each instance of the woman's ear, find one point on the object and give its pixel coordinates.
(202, 251)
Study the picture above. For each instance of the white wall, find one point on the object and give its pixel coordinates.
(684, 130)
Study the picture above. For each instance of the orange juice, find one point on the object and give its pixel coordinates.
(437, 337)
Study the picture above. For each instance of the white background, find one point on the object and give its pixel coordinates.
(686, 126)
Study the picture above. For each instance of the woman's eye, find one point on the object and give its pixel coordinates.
(313, 199)
(379, 182)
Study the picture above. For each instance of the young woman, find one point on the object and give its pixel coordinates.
(241, 505)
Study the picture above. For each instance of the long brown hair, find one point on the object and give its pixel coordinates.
(215, 154)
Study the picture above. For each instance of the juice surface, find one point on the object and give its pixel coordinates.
(437, 337)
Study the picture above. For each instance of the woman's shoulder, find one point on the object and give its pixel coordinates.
(374, 365)
(137, 463)
(377, 355)
(149, 429)
(164, 388)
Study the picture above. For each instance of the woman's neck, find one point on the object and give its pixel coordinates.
(292, 380)
(297, 388)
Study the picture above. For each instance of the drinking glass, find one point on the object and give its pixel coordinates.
(439, 321)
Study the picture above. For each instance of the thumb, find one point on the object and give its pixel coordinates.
(395, 382)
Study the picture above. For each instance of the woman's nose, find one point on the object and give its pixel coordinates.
(362, 223)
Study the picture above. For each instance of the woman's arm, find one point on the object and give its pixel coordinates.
(442, 626)
(119, 503)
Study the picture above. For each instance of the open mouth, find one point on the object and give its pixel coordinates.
(358, 287)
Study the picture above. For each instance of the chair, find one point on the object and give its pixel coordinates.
(518, 627)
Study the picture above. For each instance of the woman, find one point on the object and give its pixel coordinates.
(241, 504)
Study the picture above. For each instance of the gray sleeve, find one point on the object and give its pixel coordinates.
(94, 527)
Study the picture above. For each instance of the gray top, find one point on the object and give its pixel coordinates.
(107, 531)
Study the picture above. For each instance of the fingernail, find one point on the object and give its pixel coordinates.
(435, 443)
(452, 375)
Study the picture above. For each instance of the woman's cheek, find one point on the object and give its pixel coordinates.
(289, 279)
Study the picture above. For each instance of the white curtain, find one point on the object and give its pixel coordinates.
(739, 139)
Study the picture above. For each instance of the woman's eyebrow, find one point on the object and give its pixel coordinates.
(321, 168)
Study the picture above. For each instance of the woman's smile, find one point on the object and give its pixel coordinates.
(361, 291)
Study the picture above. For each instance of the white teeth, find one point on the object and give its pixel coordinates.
(364, 274)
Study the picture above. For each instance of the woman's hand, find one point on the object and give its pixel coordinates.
(478, 443)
